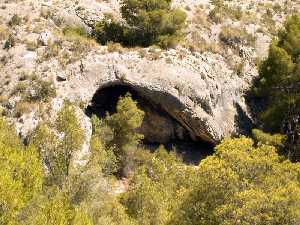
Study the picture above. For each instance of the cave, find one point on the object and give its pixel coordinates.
(158, 126)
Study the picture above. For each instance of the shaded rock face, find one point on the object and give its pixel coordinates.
(157, 127)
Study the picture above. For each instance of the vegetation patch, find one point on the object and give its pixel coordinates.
(147, 23)
(223, 11)
(233, 36)
(279, 86)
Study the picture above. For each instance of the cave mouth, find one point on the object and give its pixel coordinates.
(158, 126)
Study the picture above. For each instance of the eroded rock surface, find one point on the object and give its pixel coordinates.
(198, 91)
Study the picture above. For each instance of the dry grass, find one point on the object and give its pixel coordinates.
(80, 41)
(31, 45)
(233, 36)
(200, 18)
(3, 99)
(114, 47)
(4, 32)
(23, 107)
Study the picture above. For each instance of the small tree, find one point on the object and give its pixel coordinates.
(154, 21)
(57, 149)
(68, 124)
(279, 86)
(147, 23)
(115, 138)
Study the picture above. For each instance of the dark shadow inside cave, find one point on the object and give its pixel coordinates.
(158, 126)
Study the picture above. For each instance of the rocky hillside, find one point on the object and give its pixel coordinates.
(200, 84)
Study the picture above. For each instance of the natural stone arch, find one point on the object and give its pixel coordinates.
(164, 114)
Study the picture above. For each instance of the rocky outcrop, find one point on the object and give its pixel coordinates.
(199, 91)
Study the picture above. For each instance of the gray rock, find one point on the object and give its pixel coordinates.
(199, 92)
(44, 38)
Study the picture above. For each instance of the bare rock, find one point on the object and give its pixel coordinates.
(198, 91)
(44, 38)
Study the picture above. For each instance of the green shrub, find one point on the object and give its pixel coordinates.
(114, 47)
(42, 91)
(20, 176)
(222, 11)
(233, 36)
(15, 20)
(72, 31)
(279, 87)
(80, 42)
(20, 88)
(52, 50)
(238, 180)
(147, 24)
(276, 140)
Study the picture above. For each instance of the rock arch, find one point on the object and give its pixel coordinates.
(165, 116)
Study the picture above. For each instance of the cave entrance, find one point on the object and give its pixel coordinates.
(158, 126)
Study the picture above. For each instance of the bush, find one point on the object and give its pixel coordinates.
(242, 184)
(22, 107)
(73, 31)
(15, 20)
(114, 47)
(279, 86)
(20, 176)
(147, 24)
(115, 140)
(233, 36)
(222, 11)
(41, 90)
(58, 153)
(52, 50)
(276, 140)
(80, 42)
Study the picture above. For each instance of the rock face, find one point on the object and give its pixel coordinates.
(198, 91)
(200, 88)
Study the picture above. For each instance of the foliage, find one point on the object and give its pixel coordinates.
(53, 209)
(276, 140)
(232, 36)
(80, 43)
(117, 135)
(103, 155)
(57, 153)
(10, 42)
(156, 187)
(20, 174)
(72, 31)
(147, 23)
(124, 136)
(279, 84)
(222, 11)
(242, 184)
(34, 90)
(42, 91)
